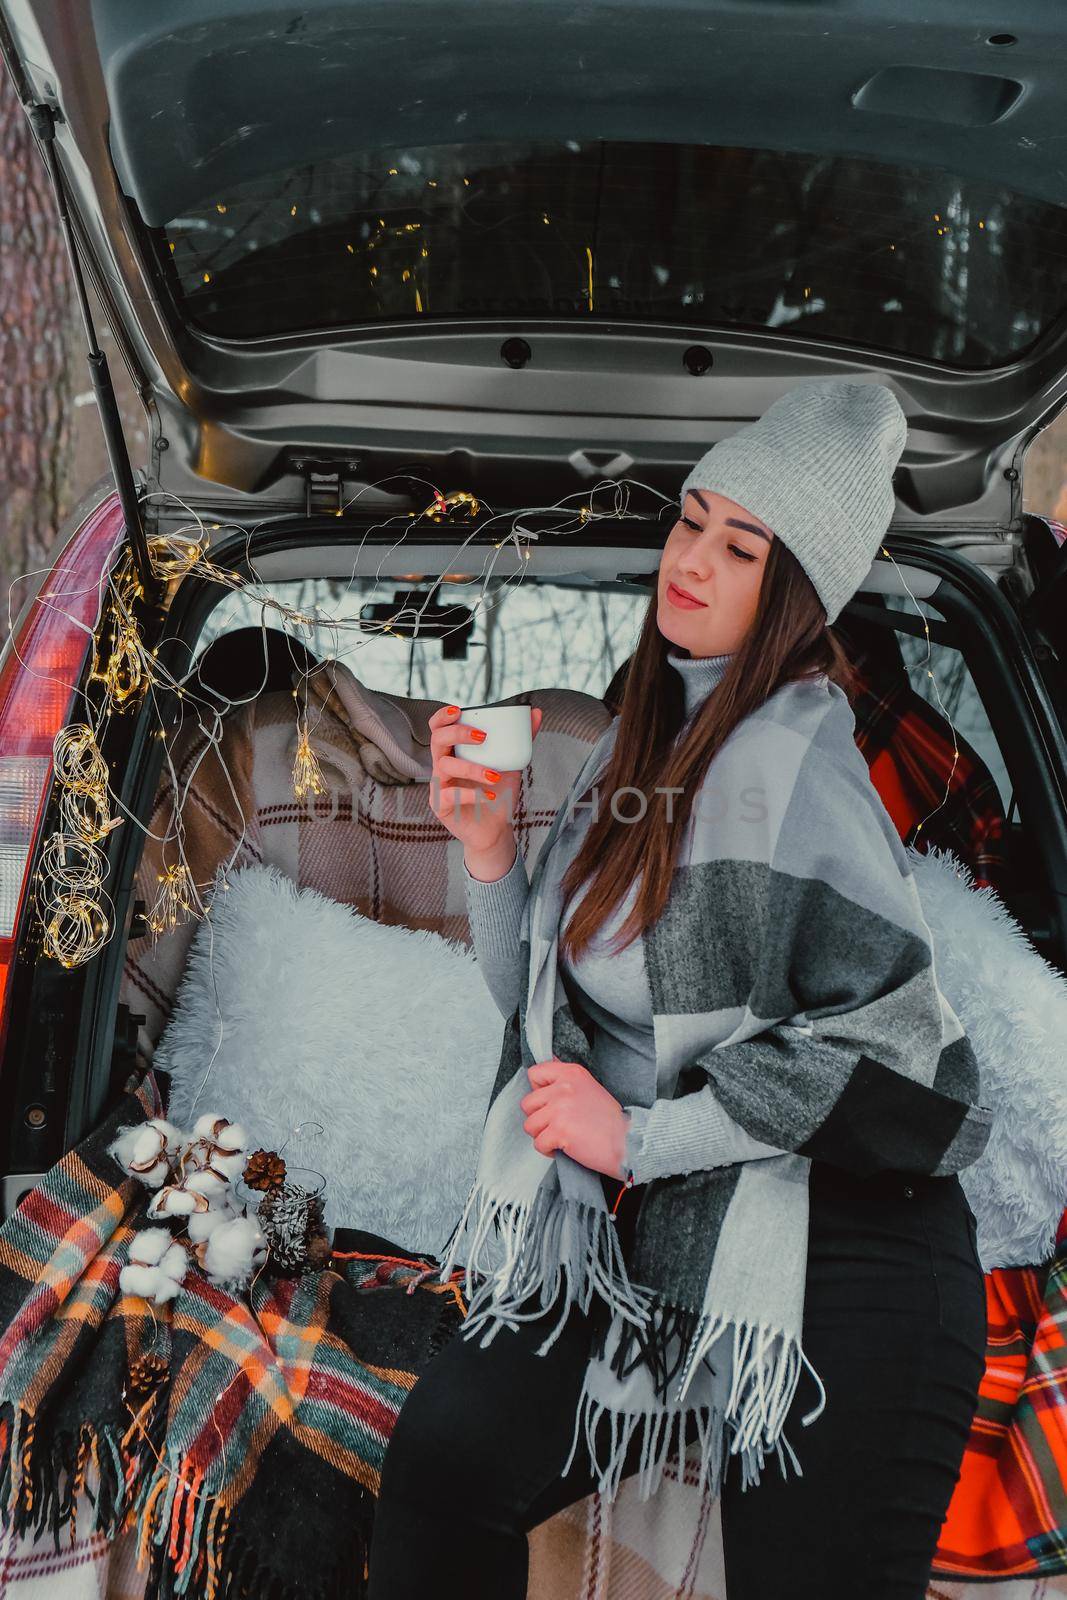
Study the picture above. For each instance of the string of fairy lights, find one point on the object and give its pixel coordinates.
(76, 914)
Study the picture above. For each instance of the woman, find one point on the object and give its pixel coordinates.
(716, 1196)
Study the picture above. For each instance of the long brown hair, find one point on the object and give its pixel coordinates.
(789, 639)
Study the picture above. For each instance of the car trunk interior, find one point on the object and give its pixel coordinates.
(982, 685)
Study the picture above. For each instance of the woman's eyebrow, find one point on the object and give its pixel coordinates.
(732, 522)
(749, 527)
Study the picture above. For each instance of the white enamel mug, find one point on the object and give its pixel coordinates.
(508, 744)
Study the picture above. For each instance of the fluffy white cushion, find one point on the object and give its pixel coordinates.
(1013, 1005)
(387, 1036)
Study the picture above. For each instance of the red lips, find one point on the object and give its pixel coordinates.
(680, 598)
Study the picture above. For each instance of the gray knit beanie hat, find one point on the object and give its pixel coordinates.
(817, 468)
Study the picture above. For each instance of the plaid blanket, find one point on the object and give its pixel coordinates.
(243, 1438)
(908, 748)
(1008, 1513)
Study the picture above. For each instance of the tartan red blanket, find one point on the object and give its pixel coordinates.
(1008, 1513)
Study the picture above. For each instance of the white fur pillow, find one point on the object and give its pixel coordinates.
(387, 1036)
(1013, 1005)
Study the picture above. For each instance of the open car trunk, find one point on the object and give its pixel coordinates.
(560, 637)
(562, 621)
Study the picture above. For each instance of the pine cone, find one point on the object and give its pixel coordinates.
(147, 1373)
(264, 1170)
(290, 1218)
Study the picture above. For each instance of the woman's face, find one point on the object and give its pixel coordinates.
(715, 553)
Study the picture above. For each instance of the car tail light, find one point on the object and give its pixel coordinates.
(39, 674)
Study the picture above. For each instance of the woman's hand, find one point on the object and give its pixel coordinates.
(568, 1109)
(476, 804)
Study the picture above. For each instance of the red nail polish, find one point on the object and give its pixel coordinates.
(452, 710)
(490, 794)
(494, 777)
(478, 735)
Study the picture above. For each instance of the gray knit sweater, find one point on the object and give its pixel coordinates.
(666, 1136)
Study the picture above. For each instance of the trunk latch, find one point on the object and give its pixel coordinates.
(324, 479)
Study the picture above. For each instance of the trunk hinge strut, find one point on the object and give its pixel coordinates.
(43, 121)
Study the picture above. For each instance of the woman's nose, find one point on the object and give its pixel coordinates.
(697, 565)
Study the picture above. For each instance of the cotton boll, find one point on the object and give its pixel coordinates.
(202, 1224)
(148, 1247)
(195, 1155)
(221, 1131)
(146, 1151)
(210, 1184)
(158, 1274)
(172, 1134)
(175, 1262)
(233, 1249)
(176, 1201)
(139, 1280)
(232, 1165)
(218, 1144)
(204, 1127)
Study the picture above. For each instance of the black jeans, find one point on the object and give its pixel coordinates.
(895, 1325)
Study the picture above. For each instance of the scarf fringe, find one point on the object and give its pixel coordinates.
(765, 1371)
(535, 1261)
(763, 1380)
(663, 1437)
(41, 1480)
(184, 1539)
(669, 1329)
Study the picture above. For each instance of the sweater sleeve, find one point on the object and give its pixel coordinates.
(494, 910)
(686, 1135)
(867, 1067)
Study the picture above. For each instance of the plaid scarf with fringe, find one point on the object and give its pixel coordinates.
(792, 971)
(246, 1448)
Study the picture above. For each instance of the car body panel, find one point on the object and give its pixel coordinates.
(159, 106)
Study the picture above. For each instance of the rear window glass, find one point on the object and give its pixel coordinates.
(536, 634)
(912, 260)
(530, 634)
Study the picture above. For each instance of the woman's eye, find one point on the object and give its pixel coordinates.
(743, 555)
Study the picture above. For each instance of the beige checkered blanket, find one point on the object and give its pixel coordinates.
(582, 1553)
